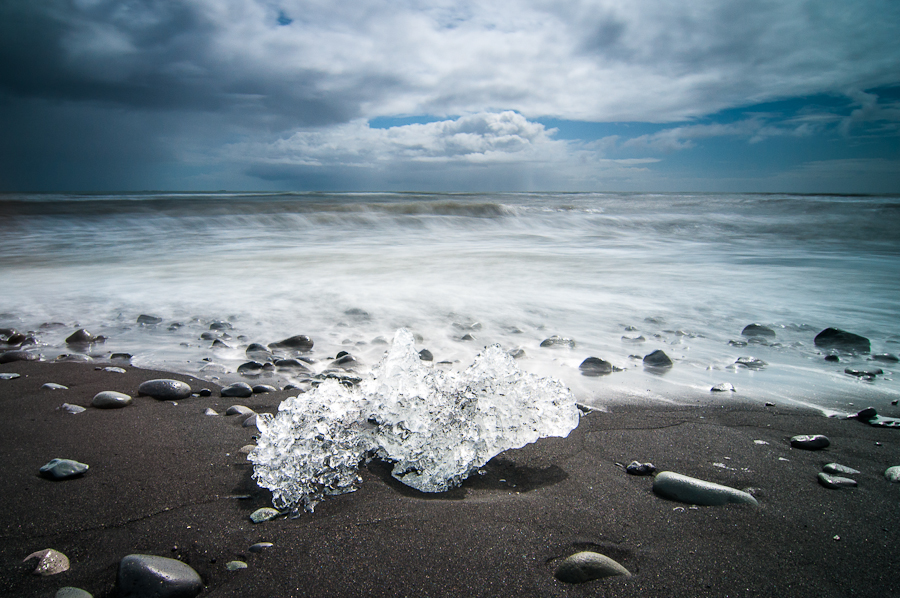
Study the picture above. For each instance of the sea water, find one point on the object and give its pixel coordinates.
(686, 272)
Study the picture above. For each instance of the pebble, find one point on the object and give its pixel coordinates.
(221, 325)
(751, 363)
(70, 592)
(147, 320)
(62, 469)
(250, 421)
(885, 357)
(75, 358)
(263, 388)
(633, 339)
(204, 392)
(73, 409)
(250, 368)
(239, 410)
(832, 358)
(54, 386)
(165, 389)
(257, 351)
(892, 474)
(8, 376)
(638, 468)
(291, 364)
(83, 337)
(837, 468)
(115, 370)
(757, 330)
(723, 387)
(110, 399)
(558, 341)
(835, 338)
(426, 355)
(657, 359)
(148, 576)
(10, 356)
(264, 514)
(238, 389)
(261, 546)
(300, 342)
(210, 411)
(810, 442)
(594, 366)
(50, 562)
(120, 357)
(246, 448)
(698, 492)
(835, 482)
(235, 565)
(586, 566)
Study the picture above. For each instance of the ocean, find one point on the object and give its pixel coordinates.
(685, 272)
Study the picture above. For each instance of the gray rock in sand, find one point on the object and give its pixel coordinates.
(259, 389)
(9, 376)
(10, 356)
(838, 469)
(235, 565)
(62, 469)
(250, 422)
(148, 576)
(586, 566)
(54, 386)
(723, 387)
(685, 489)
(892, 474)
(50, 562)
(238, 389)
(239, 410)
(638, 468)
(657, 359)
(110, 399)
(261, 546)
(70, 592)
(264, 514)
(165, 389)
(73, 409)
(835, 482)
(810, 442)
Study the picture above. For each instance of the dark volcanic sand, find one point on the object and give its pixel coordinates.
(168, 480)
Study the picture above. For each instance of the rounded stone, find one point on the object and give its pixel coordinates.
(81, 337)
(558, 341)
(165, 389)
(835, 338)
(73, 409)
(594, 366)
(264, 514)
(70, 592)
(263, 388)
(261, 546)
(837, 468)
(426, 355)
(148, 576)
(236, 565)
(835, 482)
(239, 410)
(892, 474)
(62, 469)
(54, 386)
(257, 351)
(586, 566)
(751, 363)
(810, 442)
(10, 376)
(238, 389)
(682, 488)
(299, 342)
(758, 330)
(723, 387)
(147, 320)
(10, 356)
(50, 562)
(250, 368)
(658, 359)
(638, 468)
(110, 399)
(291, 364)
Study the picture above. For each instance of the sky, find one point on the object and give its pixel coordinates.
(450, 95)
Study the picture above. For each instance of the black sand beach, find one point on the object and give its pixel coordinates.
(167, 480)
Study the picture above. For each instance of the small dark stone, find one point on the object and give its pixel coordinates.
(291, 364)
(467, 337)
(751, 363)
(82, 337)
(263, 388)
(832, 358)
(812, 442)
(250, 368)
(341, 354)
(120, 357)
(219, 344)
(345, 361)
(238, 389)
(258, 351)
(145, 320)
(10, 356)
(165, 389)
(594, 366)
(220, 325)
(633, 339)
(558, 341)
(51, 326)
(638, 468)
(864, 374)
(758, 330)
(737, 343)
(835, 338)
(885, 357)
(657, 359)
(16, 338)
(208, 336)
(866, 414)
(425, 355)
(204, 392)
(300, 342)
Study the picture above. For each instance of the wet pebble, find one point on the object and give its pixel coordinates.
(110, 399)
(83, 337)
(261, 546)
(657, 359)
(264, 514)
(126, 357)
(633, 339)
(70, 592)
(115, 370)
(239, 410)
(75, 358)
(263, 388)
(165, 389)
(53, 386)
(751, 363)
(676, 486)
(838, 469)
(594, 366)
(810, 442)
(885, 357)
(236, 565)
(257, 351)
(758, 330)
(299, 342)
(641, 469)
(864, 374)
(251, 368)
(892, 474)
(11, 356)
(204, 392)
(425, 355)
(148, 576)
(835, 338)
(832, 358)
(835, 482)
(62, 469)
(586, 566)
(50, 562)
(238, 389)
(73, 409)
(723, 387)
(558, 341)
(147, 320)
(8, 376)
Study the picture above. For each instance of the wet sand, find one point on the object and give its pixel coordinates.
(165, 479)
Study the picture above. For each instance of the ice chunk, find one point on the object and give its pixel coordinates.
(436, 426)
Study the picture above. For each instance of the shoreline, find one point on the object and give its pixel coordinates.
(165, 479)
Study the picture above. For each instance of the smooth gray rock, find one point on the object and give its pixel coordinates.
(658, 359)
(62, 469)
(723, 387)
(115, 370)
(75, 358)
(239, 410)
(634, 339)
(259, 389)
(54, 386)
(73, 409)
(165, 389)
(642, 469)
(558, 341)
(70, 592)
(838, 469)
(835, 482)
(810, 442)
(148, 576)
(235, 565)
(586, 566)
(11, 356)
(50, 562)
(146, 320)
(300, 342)
(261, 546)
(264, 514)
(426, 355)
(250, 368)
(110, 399)
(238, 389)
(594, 366)
(885, 357)
(250, 421)
(835, 338)
(751, 363)
(758, 330)
(9, 376)
(258, 351)
(892, 474)
(686, 489)
(82, 337)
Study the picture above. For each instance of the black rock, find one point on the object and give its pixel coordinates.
(638, 468)
(16, 338)
(812, 442)
(757, 330)
(145, 320)
(263, 388)
(83, 337)
(594, 366)
(425, 355)
(834, 338)
(208, 336)
(864, 374)
(832, 358)
(204, 392)
(291, 364)
(300, 342)
(258, 351)
(658, 359)
(219, 344)
(165, 389)
(10, 356)
(558, 341)
(250, 368)
(220, 325)
(345, 361)
(238, 389)
(148, 576)
(120, 357)
(341, 354)
(885, 357)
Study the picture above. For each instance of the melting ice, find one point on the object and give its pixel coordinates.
(436, 427)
